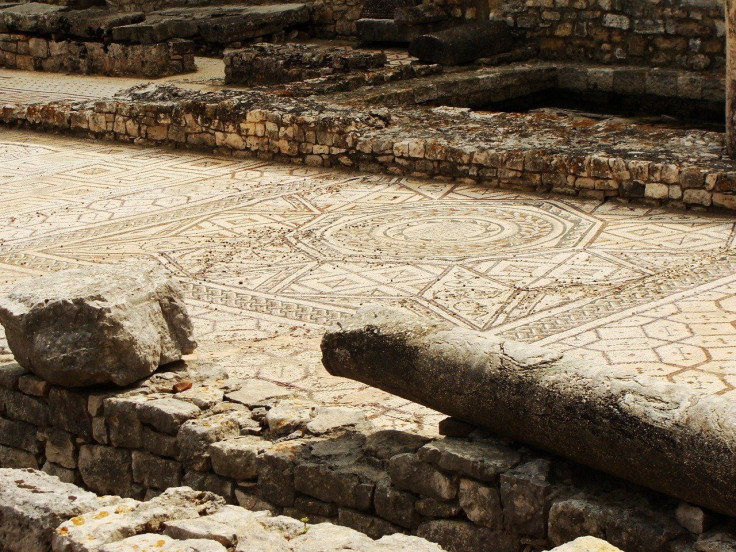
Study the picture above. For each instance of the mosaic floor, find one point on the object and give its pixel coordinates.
(271, 254)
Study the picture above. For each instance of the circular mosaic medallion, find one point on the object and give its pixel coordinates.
(447, 229)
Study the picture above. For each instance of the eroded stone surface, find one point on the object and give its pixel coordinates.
(33, 504)
(97, 325)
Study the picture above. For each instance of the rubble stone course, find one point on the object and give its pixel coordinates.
(494, 149)
(276, 64)
(290, 456)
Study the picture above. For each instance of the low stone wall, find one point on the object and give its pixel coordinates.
(39, 513)
(264, 64)
(265, 448)
(674, 33)
(588, 158)
(20, 51)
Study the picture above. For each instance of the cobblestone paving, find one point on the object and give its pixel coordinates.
(271, 254)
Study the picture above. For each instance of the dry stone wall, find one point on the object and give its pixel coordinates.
(554, 155)
(263, 447)
(673, 33)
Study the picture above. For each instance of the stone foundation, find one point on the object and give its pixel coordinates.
(688, 34)
(264, 64)
(19, 51)
(265, 448)
(587, 158)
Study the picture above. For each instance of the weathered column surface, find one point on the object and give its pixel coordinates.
(674, 439)
(463, 43)
(731, 77)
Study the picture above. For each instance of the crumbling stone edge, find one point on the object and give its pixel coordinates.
(397, 142)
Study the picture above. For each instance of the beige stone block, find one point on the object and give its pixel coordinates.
(655, 190)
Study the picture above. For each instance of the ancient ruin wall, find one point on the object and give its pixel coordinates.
(264, 448)
(419, 143)
(670, 33)
(20, 51)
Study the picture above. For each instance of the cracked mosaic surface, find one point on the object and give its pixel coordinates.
(271, 254)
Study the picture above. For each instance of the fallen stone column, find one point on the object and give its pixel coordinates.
(670, 438)
(463, 44)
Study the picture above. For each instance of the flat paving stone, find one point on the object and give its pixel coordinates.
(270, 255)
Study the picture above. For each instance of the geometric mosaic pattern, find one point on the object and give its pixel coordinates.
(278, 252)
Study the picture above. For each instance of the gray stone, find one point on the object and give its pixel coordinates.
(431, 508)
(160, 444)
(463, 43)
(390, 442)
(33, 385)
(16, 458)
(68, 411)
(123, 424)
(695, 519)
(623, 519)
(106, 470)
(223, 526)
(162, 543)
(586, 544)
(276, 473)
(684, 437)
(286, 418)
(110, 524)
(196, 435)
(256, 393)
(97, 325)
(21, 407)
(395, 506)
(10, 374)
(481, 503)
(339, 486)
(369, 525)
(327, 419)
(411, 474)
(166, 415)
(460, 536)
(33, 504)
(237, 458)
(156, 472)
(61, 448)
(20, 435)
(210, 482)
(525, 493)
(483, 460)
(64, 474)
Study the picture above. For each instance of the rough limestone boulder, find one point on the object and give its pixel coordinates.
(95, 325)
(673, 439)
(33, 504)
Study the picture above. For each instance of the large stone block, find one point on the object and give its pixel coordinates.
(106, 470)
(94, 325)
(33, 504)
(674, 439)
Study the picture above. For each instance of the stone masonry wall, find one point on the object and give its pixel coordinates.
(19, 51)
(670, 33)
(589, 159)
(263, 64)
(261, 446)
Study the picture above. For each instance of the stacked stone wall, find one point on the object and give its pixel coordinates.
(262, 447)
(20, 51)
(672, 33)
(442, 142)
